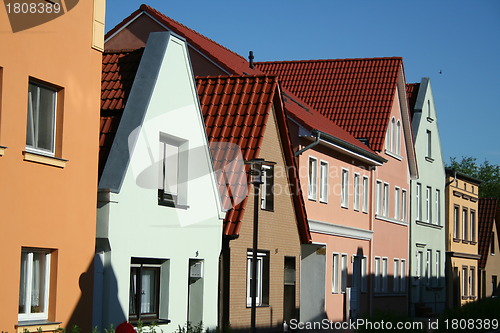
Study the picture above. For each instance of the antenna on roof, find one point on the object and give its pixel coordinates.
(250, 59)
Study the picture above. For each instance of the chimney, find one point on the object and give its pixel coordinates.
(250, 59)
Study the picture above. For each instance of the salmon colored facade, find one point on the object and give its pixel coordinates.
(49, 127)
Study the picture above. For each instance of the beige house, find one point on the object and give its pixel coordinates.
(462, 247)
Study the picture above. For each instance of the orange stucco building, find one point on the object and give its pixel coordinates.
(50, 69)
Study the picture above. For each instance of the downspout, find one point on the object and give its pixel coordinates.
(315, 143)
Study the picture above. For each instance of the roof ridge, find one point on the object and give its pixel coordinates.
(233, 76)
(327, 60)
(152, 10)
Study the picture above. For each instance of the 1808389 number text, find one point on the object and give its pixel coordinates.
(33, 8)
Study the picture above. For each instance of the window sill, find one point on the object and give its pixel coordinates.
(429, 159)
(456, 240)
(258, 306)
(394, 155)
(44, 159)
(150, 321)
(465, 241)
(388, 219)
(473, 243)
(37, 326)
(429, 119)
(430, 225)
(2, 150)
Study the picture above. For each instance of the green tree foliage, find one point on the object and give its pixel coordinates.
(487, 172)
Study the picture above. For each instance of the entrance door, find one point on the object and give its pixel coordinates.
(289, 309)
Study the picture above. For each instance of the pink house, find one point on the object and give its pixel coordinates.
(367, 98)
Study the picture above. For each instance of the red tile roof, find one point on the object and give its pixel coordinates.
(227, 59)
(236, 110)
(236, 64)
(488, 213)
(411, 95)
(118, 73)
(355, 93)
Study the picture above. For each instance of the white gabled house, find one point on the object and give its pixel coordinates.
(159, 216)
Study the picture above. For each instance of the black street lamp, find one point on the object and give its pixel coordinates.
(255, 179)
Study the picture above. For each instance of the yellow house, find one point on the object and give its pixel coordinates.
(462, 249)
(50, 70)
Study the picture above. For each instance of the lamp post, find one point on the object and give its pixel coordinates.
(255, 179)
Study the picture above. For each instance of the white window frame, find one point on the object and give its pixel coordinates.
(335, 273)
(428, 204)
(260, 270)
(385, 277)
(402, 283)
(364, 276)
(377, 281)
(172, 171)
(42, 315)
(32, 126)
(437, 209)
(393, 134)
(429, 144)
(472, 281)
(428, 267)
(456, 222)
(323, 182)
(264, 204)
(397, 205)
(420, 257)
(386, 200)
(465, 281)
(398, 138)
(437, 265)
(396, 277)
(312, 178)
(365, 194)
(356, 191)
(418, 200)
(344, 195)
(343, 272)
(465, 226)
(404, 201)
(472, 222)
(378, 205)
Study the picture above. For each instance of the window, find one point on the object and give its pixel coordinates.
(34, 284)
(428, 204)
(267, 197)
(465, 277)
(395, 284)
(356, 191)
(343, 281)
(465, 233)
(388, 138)
(144, 297)
(472, 225)
(345, 189)
(378, 208)
(419, 264)
(377, 279)
(393, 130)
(438, 268)
(472, 281)
(428, 268)
(429, 144)
(397, 205)
(493, 284)
(323, 190)
(335, 273)
(418, 199)
(172, 179)
(456, 222)
(262, 295)
(386, 199)
(364, 277)
(437, 209)
(313, 178)
(384, 275)
(403, 208)
(403, 276)
(492, 244)
(365, 194)
(41, 124)
(398, 138)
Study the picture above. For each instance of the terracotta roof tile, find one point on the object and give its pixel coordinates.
(488, 213)
(236, 110)
(357, 94)
(235, 64)
(118, 73)
(411, 95)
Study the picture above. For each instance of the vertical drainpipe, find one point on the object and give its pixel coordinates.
(371, 214)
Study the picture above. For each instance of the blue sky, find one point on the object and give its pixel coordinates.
(459, 38)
